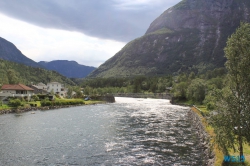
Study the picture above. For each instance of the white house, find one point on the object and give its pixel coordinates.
(57, 88)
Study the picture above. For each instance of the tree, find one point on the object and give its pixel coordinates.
(231, 121)
(69, 92)
(191, 76)
(13, 79)
(196, 90)
(87, 90)
(180, 90)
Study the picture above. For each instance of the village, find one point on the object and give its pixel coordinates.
(36, 95)
(20, 90)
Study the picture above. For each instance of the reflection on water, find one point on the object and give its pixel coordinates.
(128, 132)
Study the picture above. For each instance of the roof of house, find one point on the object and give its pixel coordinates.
(16, 87)
(40, 84)
(38, 87)
(54, 83)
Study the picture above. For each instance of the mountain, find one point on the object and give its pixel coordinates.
(189, 36)
(11, 72)
(8, 51)
(70, 69)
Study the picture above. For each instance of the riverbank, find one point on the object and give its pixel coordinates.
(204, 137)
(212, 155)
(21, 110)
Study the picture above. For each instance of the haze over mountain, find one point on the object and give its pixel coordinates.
(70, 69)
(8, 51)
(189, 36)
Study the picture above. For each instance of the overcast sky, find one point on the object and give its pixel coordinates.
(86, 31)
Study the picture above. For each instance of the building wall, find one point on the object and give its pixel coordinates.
(9, 91)
(30, 92)
(55, 86)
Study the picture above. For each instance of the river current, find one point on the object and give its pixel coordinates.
(128, 132)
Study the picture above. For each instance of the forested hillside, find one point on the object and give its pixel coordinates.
(11, 73)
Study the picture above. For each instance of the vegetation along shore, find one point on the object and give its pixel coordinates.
(18, 106)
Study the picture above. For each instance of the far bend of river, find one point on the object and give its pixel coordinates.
(128, 132)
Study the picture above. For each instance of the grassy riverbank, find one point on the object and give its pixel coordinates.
(219, 156)
(202, 111)
(39, 104)
(4, 106)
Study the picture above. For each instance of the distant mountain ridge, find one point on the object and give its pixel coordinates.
(70, 69)
(13, 73)
(9, 51)
(189, 36)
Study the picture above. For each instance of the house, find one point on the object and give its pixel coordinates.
(17, 90)
(56, 88)
(40, 88)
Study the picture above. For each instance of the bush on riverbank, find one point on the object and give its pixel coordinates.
(15, 102)
(61, 102)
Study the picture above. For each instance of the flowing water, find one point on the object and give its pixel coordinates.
(128, 132)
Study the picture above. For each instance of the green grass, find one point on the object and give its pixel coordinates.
(38, 103)
(218, 153)
(89, 102)
(57, 99)
(219, 157)
(246, 151)
(5, 106)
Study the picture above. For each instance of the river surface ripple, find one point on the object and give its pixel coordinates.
(128, 132)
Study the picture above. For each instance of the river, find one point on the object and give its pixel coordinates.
(129, 132)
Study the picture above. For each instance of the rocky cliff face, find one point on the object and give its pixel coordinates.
(189, 36)
(8, 51)
(73, 69)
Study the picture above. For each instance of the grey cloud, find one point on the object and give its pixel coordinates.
(97, 18)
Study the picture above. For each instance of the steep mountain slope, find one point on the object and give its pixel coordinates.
(11, 72)
(8, 51)
(187, 37)
(70, 69)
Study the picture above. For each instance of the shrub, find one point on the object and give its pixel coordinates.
(45, 103)
(210, 106)
(35, 97)
(62, 102)
(15, 102)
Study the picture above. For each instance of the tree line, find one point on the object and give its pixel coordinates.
(138, 84)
